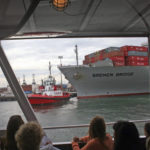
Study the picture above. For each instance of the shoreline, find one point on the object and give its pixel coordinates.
(7, 98)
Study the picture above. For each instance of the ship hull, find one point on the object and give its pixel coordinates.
(44, 99)
(92, 82)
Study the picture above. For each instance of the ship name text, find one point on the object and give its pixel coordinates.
(117, 74)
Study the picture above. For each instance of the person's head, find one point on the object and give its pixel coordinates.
(117, 126)
(147, 129)
(97, 128)
(13, 125)
(29, 136)
(127, 137)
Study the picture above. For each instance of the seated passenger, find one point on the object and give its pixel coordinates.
(31, 136)
(46, 144)
(147, 134)
(127, 137)
(8, 141)
(117, 126)
(97, 139)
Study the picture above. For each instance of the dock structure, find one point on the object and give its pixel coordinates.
(7, 98)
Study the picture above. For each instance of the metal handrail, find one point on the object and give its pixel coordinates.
(87, 125)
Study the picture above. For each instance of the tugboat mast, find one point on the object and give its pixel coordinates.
(50, 68)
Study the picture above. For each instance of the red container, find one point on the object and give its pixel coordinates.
(101, 57)
(134, 48)
(101, 51)
(113, 53)
(137, 58)
(41, 87)
(97, 54)
(101, 54)
(86, 56)
(92, 60)
(119, 63)
(117, 58)
(85, 62)
(137, 63)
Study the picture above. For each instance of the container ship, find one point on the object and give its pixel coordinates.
(114, 71)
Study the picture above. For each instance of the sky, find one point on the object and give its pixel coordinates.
(32, 56)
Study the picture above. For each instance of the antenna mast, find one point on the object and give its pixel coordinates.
(76, 51)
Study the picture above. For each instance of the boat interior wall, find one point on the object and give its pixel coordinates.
(14, 14)
(86, 18)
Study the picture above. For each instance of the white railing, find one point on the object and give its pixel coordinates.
(139, 124)
(66, 129)
(87, 125)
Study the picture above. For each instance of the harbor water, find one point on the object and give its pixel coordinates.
(77, 112)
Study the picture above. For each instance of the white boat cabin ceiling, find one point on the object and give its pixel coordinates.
(80, 18)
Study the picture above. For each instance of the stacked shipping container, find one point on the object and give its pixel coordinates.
(126, 55)
(135, 55)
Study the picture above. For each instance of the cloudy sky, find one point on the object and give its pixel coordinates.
(28, 57)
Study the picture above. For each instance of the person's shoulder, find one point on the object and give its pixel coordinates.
(94, 144)
(148, 142)
(148, 138)
(108, 136)
(109, 141)
(48, 147)
(93, 141)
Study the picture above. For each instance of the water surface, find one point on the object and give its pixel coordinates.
(75, 112)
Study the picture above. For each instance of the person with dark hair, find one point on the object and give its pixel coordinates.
(8, 141)
(97, 138)
(147, 134)
(127, 137)
(117, 126)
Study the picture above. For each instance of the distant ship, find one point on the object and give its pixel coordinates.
(111, 72)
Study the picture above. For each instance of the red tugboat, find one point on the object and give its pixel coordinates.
(49, 93)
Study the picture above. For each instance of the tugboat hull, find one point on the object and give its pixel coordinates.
(40, 99)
